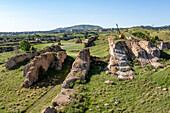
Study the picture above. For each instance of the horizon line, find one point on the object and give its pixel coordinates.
(84, 24)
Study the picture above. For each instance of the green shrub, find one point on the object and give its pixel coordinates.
(141, 35)
(24, 45)
(54, 104)
(32, 49)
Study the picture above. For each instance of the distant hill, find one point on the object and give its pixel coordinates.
(157, 28)
(78, 27)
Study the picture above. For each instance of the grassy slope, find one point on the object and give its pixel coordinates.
(161, 34)
(138, 95)
(4, 56)
(11, 81)
(13, 98)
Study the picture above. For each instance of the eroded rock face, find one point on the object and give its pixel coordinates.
(119, 63)
(20, 58)
(80, 68)
(121, 51)
(88, 42)
(32, 70)
(163, 45)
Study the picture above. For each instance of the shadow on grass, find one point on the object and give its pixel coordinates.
(96, 67)
(54, 77)
(164, 55)
(26, 61)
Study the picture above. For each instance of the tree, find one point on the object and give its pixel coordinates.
(64, 35)
(24, 45)
(86, 34)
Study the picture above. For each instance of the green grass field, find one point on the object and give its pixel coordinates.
(138, 95)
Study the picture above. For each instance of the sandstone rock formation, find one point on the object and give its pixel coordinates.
(119, 60)
(32, 70)
(122, 51)
(89, 42)
(162, 45)
(79, 70)
(78, 40)
(20, 58)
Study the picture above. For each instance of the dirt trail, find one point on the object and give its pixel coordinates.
(42, 98)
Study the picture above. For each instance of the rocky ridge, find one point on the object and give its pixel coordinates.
(123, 51)
(46, 60)
(20, 58)
(80, 68)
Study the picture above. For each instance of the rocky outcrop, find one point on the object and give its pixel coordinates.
(162, 45)
(123, 51)
(20, 58)
(79, 70)
(89, 42)
(78, 41)
(119, 63)
(49, 110)
(46, 60)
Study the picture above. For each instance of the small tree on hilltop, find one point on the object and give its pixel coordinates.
(24, 45)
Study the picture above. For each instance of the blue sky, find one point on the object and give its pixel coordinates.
(31, 15)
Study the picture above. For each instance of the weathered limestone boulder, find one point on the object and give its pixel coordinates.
(20, 58)
(49, 110)
(32, 70)
(78, 40)
(79, 70)
(162, 45)
(89, 42)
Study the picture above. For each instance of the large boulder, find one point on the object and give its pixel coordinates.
(89, 42)
(32, 70)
